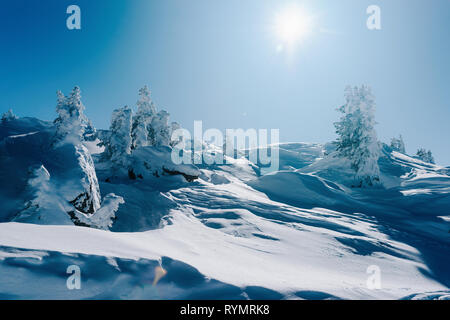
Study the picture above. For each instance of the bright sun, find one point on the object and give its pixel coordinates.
(292, 25)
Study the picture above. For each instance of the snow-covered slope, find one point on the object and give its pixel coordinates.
(298, 233)
(48, 182)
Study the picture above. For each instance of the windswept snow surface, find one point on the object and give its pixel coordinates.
(298, 233)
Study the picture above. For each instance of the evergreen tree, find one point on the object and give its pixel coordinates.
(357, 138)
(161, 132)
(117, 141)
(71, 123)
(141, 127)
(174, 126)
(8, 116)
(425, 156)
(397, 144)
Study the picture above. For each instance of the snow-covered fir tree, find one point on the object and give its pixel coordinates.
(174, 126)
(8, 116)
(90, 133)
(397, 144)
(161, 134)
(425, 156)
(117, 141)
(129, 132)
(38, 186)
(142, 120)
(71, 123)
(357, 138)
(89, 199)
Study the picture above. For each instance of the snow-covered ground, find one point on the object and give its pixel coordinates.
(298, 233)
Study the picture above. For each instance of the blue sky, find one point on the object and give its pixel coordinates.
(217, 61)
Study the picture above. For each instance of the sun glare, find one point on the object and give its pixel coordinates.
(292, 25)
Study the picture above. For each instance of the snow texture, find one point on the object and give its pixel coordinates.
(141, 227)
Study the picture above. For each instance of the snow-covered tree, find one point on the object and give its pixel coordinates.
(141, 127)
(38, 184)
(90, 133)
(398, 144)
(8, 116)
(174, 126)
(117, 141)
(88, 197)
(71, 123)
(161, 131)
(357, 138)
(425, 156)
(150, 128)
(128, 132)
